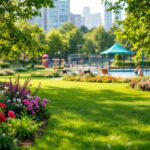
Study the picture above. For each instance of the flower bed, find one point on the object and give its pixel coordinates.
(92, 78)
(142, 83)
(20, 109)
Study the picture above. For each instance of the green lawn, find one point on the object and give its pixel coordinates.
(94, 116)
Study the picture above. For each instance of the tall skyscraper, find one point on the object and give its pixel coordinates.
(87, 17)
(91, 20)
(54, 17)
(96, 20)
(76, 19)
(107, 18)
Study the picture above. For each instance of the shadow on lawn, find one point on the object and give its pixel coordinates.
(85, 120)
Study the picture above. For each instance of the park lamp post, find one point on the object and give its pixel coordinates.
(78, 58)
(59, 54)
(143, 55)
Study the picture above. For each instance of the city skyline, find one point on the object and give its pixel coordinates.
(77, 6)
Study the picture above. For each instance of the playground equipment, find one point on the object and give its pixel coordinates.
(45, 60)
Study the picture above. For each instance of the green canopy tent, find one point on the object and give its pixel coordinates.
(116, 49)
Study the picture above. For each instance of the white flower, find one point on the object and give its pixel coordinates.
(2, 92)
(18, 105)
(18, 100)
(28, 96)
(17, 93)
(9, 101)
(6, 88)
(14, 99)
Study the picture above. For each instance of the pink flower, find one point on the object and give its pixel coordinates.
(11, 114)
(43, 104)
(37, 98)
(26, 102)
(30, 107)
(45, 100)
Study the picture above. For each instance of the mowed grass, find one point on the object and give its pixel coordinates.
(94, 116)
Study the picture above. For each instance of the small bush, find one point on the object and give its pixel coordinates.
(58, 67)
(7, 142)
(142, 83)
(5, 65)
(40, 74)
(126, 64)
(24, 127)
(46, 73)
(118, 57)
(39, 67)
(21, 69)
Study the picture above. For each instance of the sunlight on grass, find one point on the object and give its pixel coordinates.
(94, 116)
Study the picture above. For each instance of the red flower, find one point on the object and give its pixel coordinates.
(11, 114)
(2, 105)
(2, 117)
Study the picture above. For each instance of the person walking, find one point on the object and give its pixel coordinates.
(140, 71)
(136, 70)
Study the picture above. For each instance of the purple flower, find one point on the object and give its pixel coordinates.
(37, 98)
(43, 104)
(45, 100)
(26, 102)
(30, 108)
(33, 112)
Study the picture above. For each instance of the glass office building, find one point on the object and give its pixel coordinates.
(54, 17)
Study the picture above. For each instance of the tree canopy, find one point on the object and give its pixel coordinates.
(135, 29)
(10, 12)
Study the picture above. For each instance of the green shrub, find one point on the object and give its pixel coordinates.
(4, 65)
(46, 73)
(40, 67)
(118, 57)
(58, 67)
(24, 127)
(54, 73)
(40, 74)
(28, 66)
(21, 69)
(146, 63)
(7, 142)
(126, 64)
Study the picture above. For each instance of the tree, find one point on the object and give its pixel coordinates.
(10, 12)
(21, 9)
(88, 47)
(55, 43)
(72, 37)
(98, 40)
(67, 27)
(29, 43)
(84, 29)
(135, 28)
(102, 39)
(75, 38)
